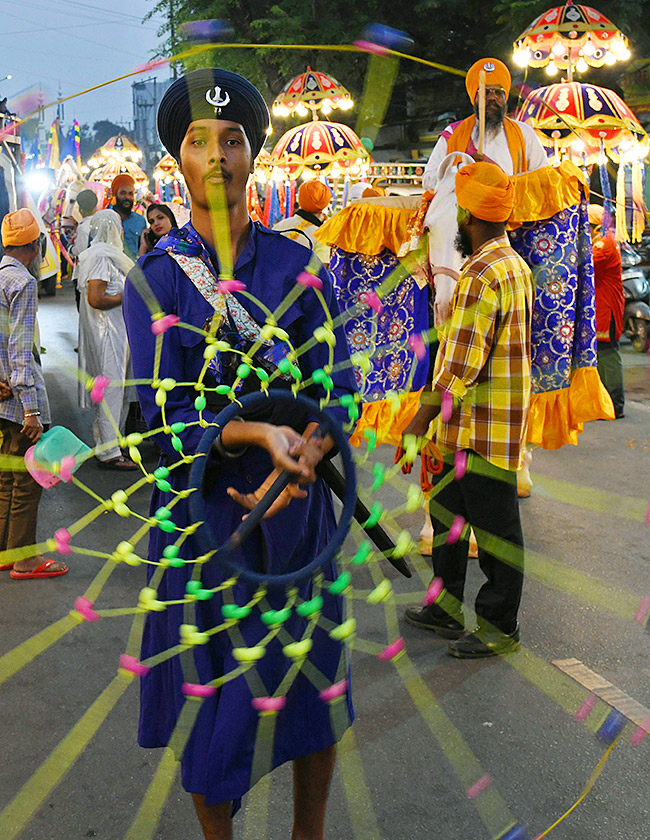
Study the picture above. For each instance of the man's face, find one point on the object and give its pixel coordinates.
(124, 199)
(495, 106)
(34, 266)
(463, 241)
(215, 152)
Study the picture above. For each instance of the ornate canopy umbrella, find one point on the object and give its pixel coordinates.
(317, 146)
(570, 37)
(311, 91)
(571, 113)
(120, 148)
(107, 171)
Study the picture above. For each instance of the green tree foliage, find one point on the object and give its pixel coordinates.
(103, 131)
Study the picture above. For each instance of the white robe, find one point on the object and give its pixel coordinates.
(103, 351)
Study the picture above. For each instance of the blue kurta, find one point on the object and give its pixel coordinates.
(221, 759)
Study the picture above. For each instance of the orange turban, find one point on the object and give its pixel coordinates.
(496, 73)
(373, 192)
(122, 180)
(20, 228)
(486, 191)
(595, 212)
(313, 196)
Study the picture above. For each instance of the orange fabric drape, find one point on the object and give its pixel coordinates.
(459, 141)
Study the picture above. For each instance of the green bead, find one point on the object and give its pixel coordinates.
(271, 617)
(200, 403)
(262, 375)
(170, 551)
(284, 365)
(353, 413)
(178, 428)
(378, 472)
(296, 373)
(232, 611)
(193, 586)
(167, 526)
(161, 472)
(327, 383)
(362, 554)
(176, 562)
(223, 389)
(204, 594)
(375, 515)
(163, 486)
(177, 443)
(310, 607)
(243, 370)
(340, 584)
(346, 400)
(318, 375)
(163, 513)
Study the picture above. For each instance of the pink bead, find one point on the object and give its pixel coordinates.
(433, 592)
(307, 279)
(226, 286)
(456, 530)
(368, 46)
(392, 650)
(269, 704)
(642, 611)
(417, 346)
(479, 787)
(85, 609)
(198, 690)
(62, 538)
(585, 710)
(641, 733)
(68, 464)
(447, 406)
(334, 691)
(163, 324)
(100, 385)
(460, 463)
(373, 301)
(130, 663)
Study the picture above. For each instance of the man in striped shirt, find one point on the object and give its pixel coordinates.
(479, 400)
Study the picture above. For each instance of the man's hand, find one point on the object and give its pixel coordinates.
(32, 428)
(5, 390)
(415, 431)
(249, 500)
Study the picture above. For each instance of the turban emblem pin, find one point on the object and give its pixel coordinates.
(489, 67)
(215, 98)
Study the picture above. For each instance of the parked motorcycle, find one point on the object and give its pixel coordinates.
(636, 289)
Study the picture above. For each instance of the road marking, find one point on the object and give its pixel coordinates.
(605, 690)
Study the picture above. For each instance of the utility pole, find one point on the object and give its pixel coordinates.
(172, 36)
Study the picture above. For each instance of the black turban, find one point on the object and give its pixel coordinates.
(211, 94)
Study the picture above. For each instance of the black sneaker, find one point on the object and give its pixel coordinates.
(491, 644)
(429, 618)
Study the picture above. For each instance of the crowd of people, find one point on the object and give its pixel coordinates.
(482, 366)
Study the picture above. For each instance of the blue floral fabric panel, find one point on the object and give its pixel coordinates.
(558, 250)
(382, 337)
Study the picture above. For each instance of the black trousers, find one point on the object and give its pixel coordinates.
(486, 497)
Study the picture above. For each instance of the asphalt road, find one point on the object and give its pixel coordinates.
(427, 728)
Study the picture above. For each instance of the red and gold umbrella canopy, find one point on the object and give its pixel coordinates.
(570, 107)
(317, 146)
(118, 148)
(570, 37)
(312, 91)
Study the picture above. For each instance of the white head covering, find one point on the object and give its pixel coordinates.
(106, 242)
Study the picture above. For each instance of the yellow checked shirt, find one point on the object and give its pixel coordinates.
(484, 357)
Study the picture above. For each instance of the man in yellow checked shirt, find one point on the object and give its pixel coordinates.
(479, 401)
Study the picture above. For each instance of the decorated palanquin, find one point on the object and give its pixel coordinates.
(550, 229)
(365, 238)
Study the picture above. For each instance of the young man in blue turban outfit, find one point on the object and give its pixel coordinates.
(214, 122)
